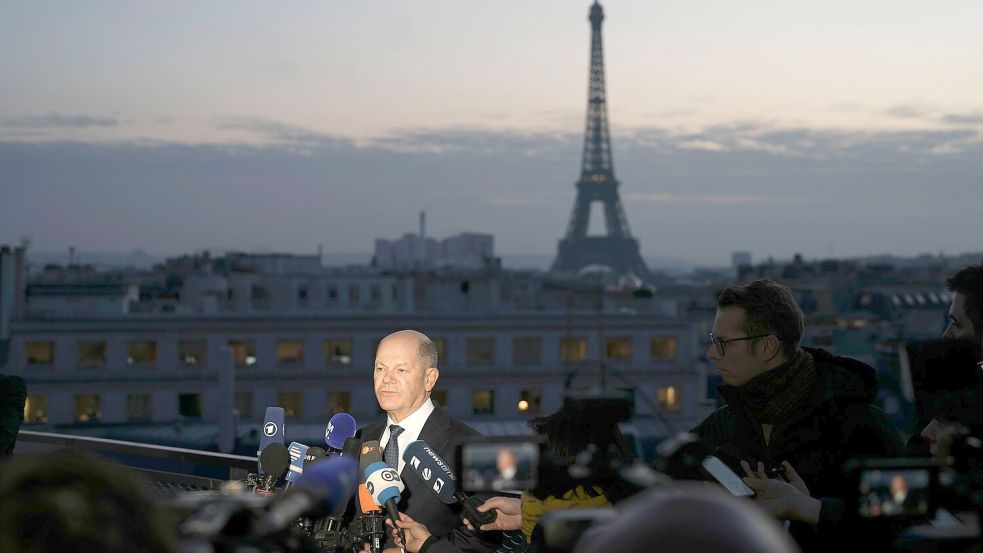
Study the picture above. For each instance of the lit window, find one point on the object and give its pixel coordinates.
(441, 345)
(290, 352)
(339, 402)
(439, 397)
(189, 405)
(669, 398)
(192, 352)
(92, 354)
(531, 402)
(141, 352)
(619, 349)
(353, 294)
(243, 352)
(36, 409)
(138, 407)
(87, 408)
(338, 352)
(573, 349)
(483, 402)
(244, 405)
(40, 353)
(663, 348)
(293, 404)
(481, 351)
(527, 351)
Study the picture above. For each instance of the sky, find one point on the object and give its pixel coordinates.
(833, 128)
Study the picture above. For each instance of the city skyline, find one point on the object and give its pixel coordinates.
(830, 129)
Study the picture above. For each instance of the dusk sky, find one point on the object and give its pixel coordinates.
(838, 128)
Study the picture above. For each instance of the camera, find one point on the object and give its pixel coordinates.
(501, 464)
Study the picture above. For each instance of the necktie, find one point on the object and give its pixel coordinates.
(391, 453)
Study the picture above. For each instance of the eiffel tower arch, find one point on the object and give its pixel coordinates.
(616, 250)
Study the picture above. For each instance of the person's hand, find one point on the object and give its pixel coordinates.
(783, 500)
(416, 533)
(509, 514)
(788, 473)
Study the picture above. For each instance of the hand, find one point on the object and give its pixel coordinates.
(416, 533)
(788, 473)
(784, 500)
(509, 514)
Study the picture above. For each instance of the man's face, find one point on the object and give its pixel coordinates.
(740, 363)
(401, 381)
(960, 327)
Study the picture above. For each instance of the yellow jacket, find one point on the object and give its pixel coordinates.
(534, 508)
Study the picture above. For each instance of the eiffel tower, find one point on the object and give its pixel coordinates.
(617, 250)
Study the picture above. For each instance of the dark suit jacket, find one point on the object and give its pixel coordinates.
(441, 432)
(13, 394)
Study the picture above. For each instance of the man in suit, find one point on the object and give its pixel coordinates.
(404, 377)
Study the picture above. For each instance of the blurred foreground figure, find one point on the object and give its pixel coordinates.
(63, 502)
(13, 394)
(688, 518)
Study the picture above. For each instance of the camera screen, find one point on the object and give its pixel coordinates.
(895, 492)
(500, 466)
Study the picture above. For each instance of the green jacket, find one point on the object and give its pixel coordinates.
(838, 423)
(13, 395)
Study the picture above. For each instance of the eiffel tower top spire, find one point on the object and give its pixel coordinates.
(597, 165)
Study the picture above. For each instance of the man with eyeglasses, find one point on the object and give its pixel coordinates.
(791, 406)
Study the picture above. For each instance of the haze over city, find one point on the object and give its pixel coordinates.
(830, 129)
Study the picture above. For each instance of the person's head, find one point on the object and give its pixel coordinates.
(70, 502)
(966, 310)
(758, 327)
(506, 462)
(405, 372)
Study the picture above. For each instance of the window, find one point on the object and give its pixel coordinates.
(353, 294)
(619, 349)
(339, 402)
(87, 408)
(338, 352)
(483, 402)
(92, 354)
(191, 353)
(526, 351)
(290, 352)
(481, 350)
(663, 348)
(441, 345)
(243, 352)
(302, 295)
(293, 404)
(439, 397)
(258, 292)
(531, 401)
(141, 352)
(375, 293)
(36, 409)
(138, 407)
(332, 295)
(189, 405)
(669, 398)
(40, 353)
(573, 349)
(244, 405)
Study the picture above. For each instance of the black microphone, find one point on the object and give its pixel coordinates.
(427, 464)
(373, 523)
(327, 530)
(275, 460)
(313, 455)
(319, 490)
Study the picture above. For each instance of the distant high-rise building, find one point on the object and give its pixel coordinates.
(740, 259)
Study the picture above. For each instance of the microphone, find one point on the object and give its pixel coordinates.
(372, 526)
(383, 483)
(327, 530)
(340, 428)
(298, 452)
(314, 454)
(272, 431)
(319, 490)
(351, 448)
(276, 459)
(427, 464)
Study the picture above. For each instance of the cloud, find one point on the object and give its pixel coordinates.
(59, 121)
(907, 112)
(700, 199)
(282, 133)
(975, 118)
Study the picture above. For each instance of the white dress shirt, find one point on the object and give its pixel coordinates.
(411, 425)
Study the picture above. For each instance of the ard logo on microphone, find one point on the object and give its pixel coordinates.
(427, 473)
(438, 485)
(270, 428)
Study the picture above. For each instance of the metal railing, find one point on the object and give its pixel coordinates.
(136, 456)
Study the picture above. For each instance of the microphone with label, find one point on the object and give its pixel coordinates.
(383, 483)
(340, 428)
(427, 464)
(298, 452)
(314, 454)
(372, 524)
(318, 491)
(276, 459)
(271, 432)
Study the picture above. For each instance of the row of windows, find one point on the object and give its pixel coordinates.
(88, 407)
(526, 351)
(354, 293)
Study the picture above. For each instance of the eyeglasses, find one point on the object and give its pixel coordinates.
(721, 343)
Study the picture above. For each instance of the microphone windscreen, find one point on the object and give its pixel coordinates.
(370, 454)
(274, 459)
(335, 479)
(314, 454)
(340, 428)
(432, 470)
(352, 448)
(365, 501)
(297, 453)
(382, 481)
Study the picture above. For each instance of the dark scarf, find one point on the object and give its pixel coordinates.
(774, 396)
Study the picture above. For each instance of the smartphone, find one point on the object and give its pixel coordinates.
(727, 478)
